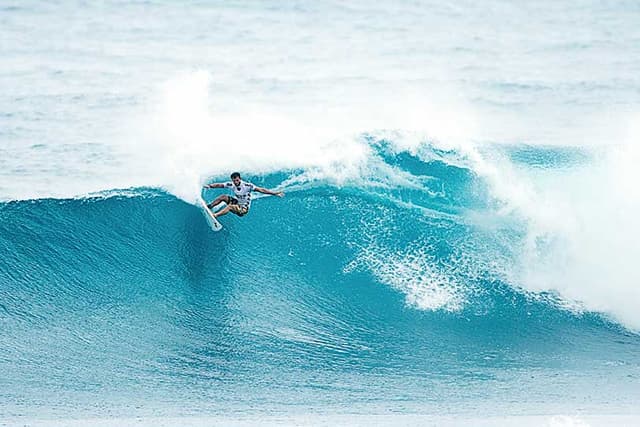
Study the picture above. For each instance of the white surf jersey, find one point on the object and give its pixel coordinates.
(241, 193)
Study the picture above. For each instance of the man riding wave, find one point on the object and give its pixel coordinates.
(240, 203)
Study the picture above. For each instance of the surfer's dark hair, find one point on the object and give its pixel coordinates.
(235, 175)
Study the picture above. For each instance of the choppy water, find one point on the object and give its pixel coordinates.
(458, 235)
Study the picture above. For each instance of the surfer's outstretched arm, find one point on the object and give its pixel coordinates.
(272, 193)
(214, 185)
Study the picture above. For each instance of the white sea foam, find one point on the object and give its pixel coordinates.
(580, 226)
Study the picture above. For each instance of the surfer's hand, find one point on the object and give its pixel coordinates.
(280, 194)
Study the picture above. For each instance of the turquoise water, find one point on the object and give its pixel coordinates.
(330, 299)
(457, 236)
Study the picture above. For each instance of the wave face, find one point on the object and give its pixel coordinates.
(404, 288)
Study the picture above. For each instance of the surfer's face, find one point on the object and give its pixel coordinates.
(236, 181)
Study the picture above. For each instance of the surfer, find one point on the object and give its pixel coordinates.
(241, 201)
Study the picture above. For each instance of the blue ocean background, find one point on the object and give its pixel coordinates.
(458, 236)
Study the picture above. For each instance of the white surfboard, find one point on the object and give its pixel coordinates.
(213, 222)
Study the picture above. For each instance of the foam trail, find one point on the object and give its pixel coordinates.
(416, 275)
(190, 143)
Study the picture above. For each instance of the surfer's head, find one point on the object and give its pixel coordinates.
(235, 177)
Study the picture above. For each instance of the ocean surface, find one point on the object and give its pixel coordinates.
(458, 239)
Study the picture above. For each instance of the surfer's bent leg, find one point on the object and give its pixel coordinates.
(222, 211)
(218, 200)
